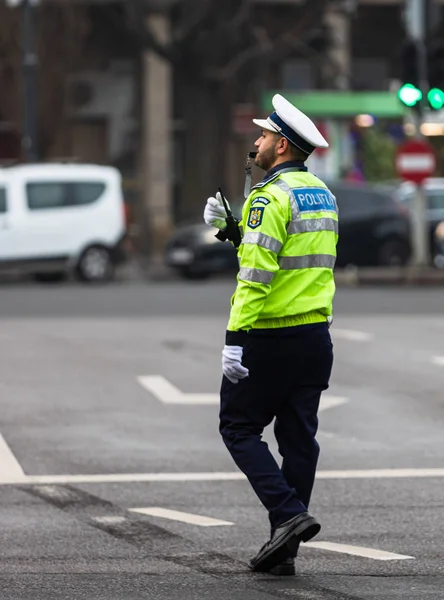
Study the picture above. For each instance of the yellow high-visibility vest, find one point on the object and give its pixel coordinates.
(287, 255)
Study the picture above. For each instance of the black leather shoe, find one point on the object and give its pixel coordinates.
(285, 542)
(285, 568)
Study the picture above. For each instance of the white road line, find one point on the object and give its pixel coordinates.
(124, 478)
(381, 474)
(438, 360)
(175, 515)
(9, 465)
(358, 551)
(351, 335)
(168, 393)
(215, 476)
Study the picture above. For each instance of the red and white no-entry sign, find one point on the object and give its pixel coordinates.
(415, 161)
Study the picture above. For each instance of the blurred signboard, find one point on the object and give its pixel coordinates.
(415, 160)
(340, 104)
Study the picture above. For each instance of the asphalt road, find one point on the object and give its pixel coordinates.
(90, 433)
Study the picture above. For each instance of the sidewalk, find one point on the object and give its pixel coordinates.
(348, 277)
(409, 276)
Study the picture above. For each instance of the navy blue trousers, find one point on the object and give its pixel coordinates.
(289, 370)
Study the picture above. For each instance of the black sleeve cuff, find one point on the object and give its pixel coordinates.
(235, 338)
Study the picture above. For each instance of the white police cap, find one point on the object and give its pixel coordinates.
(293, 124)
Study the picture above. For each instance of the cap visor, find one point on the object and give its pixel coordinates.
(264, 124)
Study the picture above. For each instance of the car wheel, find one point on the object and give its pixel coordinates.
(56, 277)
(95, 265)
(393, 253)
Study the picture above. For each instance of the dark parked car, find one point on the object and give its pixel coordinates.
(374, 230)
(196, 254)
(374, 226)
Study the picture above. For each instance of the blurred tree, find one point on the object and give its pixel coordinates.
(61, 33)
(378, 154)
(222, 53)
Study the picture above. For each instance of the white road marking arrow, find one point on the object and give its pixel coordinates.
(167, 393)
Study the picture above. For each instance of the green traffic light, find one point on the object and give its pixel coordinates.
(409, 94)
(436, 98)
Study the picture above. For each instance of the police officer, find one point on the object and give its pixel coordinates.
(278, 355)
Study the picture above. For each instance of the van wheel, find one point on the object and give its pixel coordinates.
(95, 265)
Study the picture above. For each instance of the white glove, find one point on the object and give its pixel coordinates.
(214, 213)
(232, 363)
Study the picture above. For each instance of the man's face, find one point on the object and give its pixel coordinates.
(266, 150)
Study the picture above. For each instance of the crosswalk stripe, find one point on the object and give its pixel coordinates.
(110, 520)
(184, 517)
(358, 551)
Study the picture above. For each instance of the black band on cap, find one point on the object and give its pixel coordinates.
(291, 135)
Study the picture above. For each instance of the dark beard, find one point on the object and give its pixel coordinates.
(265, 160)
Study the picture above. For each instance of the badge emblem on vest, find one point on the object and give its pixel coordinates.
(255, 216)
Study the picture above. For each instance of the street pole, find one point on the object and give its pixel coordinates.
(337, 69)
(157, 145)
(29, 71)
(416, 30)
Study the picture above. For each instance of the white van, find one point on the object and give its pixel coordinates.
(61, 218)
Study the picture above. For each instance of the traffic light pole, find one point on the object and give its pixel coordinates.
(416, 29)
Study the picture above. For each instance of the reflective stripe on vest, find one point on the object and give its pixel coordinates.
(309, 261)
(313, 225)
(263, 240)
(289, 263)
(256, 275)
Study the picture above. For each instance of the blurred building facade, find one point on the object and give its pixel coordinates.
(218, 71)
